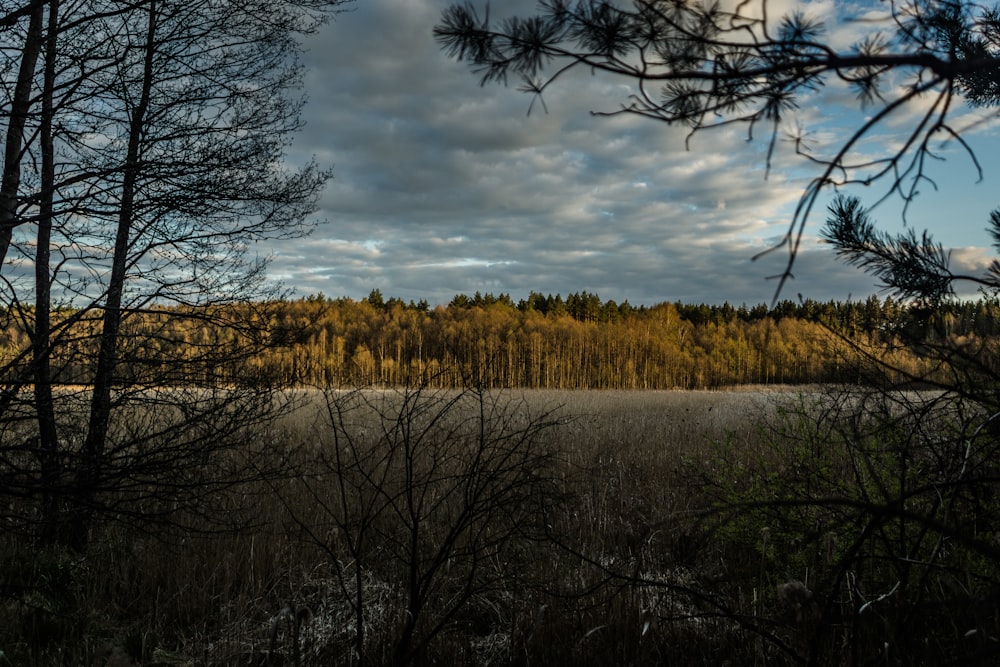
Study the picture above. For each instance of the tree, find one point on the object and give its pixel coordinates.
(918, 270)
(709, 64)
(158, 129)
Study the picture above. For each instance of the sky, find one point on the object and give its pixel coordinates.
(443, 187)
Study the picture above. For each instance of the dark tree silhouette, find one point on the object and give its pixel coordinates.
(144, 155)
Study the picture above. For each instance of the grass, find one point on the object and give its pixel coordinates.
(671, 540)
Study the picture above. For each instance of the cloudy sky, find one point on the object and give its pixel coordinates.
(443, 187)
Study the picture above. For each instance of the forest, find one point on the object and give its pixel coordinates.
(542, 342)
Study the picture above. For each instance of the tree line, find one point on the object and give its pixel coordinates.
(572, 342)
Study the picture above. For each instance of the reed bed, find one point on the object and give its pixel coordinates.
(618, 554)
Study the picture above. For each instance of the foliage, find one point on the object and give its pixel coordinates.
(659, 347)
(914, 267)
(321, 341)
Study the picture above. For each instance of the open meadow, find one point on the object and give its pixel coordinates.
(546, 527)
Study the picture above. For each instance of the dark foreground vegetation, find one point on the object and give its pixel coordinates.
(822, 527)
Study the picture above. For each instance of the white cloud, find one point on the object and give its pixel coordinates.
(463, 190)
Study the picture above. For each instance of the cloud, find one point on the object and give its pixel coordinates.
(442, 186)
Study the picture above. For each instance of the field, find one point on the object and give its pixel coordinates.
(543, 527)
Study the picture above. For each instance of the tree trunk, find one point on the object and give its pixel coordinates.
(48, 443)
(14, 141)
(90, 470)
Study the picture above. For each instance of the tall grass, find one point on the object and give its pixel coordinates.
(688, 528)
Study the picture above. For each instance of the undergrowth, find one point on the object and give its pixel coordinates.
(679, 528)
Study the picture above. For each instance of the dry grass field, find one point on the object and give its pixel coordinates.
(540, 527)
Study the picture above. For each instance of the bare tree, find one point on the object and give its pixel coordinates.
(159, 130)
(442, 495)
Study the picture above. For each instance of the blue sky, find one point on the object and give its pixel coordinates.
(443, 187)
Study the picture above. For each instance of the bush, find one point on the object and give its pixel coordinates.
(867, 528)
(429, 507)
